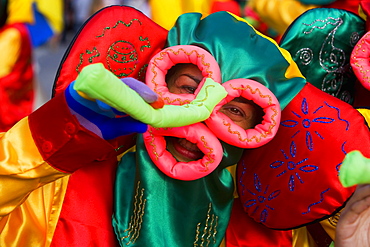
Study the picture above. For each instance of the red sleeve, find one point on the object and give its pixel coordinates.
(63, 142)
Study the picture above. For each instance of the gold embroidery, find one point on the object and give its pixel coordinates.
(116, 25)
(136, 220)
(152, 143)
(206, 97)
(209, 230)
(210, 160)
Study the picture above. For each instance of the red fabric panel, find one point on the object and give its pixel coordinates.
(297, 182)
(86, 216)
(350, 5)
(243, 231)
(120, 37)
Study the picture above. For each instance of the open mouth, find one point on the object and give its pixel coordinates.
(183, 150)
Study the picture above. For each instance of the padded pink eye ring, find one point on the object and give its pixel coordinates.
(167, 58)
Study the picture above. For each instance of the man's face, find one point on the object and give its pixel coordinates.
(184, 79)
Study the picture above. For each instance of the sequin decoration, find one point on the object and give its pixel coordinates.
(307, 118)
(206, 235)
(132, 233)
(121, 56)
(292, 168)
(261, 196)
(332, 59)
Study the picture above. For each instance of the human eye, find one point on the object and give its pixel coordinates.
(188, 89)
(233, 111)
(243, 112)
(186, 84)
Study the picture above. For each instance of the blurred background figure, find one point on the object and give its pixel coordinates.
(165, 12)
(16, 70)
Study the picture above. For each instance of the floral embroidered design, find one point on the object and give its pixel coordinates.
(261, 198)
(307, 119)
(292, 168)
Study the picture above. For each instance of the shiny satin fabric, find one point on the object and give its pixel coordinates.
(23, 170)
(321, 41)
(152, 209)
(240, 51)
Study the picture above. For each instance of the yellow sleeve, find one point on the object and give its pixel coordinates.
(10, 46)
(22, 169)
(279, 14)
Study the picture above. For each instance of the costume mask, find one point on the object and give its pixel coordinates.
(218, 126)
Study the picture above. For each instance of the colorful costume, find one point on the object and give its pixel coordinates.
(156, 204)
(16, 73)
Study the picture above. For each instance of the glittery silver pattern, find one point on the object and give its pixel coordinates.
(305, 55)
(355, 37)
(332, 59)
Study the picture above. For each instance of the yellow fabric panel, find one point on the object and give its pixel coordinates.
(302, 238)
(279, 14)
(53, 11)
(31, 193)
(166, 12)
(22, 168)
(366, 114)
(20, 11)
(10, 45)
(330, 225)
(36, 218)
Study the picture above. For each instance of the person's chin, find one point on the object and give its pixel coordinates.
(181, 153)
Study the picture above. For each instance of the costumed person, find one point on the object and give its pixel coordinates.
(321, 42)
(97, 184)
(16, 68)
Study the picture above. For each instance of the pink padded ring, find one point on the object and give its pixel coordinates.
(360, 59)
(229, 132)
(199, 134)
(167, 58)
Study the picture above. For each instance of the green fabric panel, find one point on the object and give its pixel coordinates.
(321, 41)
(152, 209)
(355, 169)
(240, 51)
